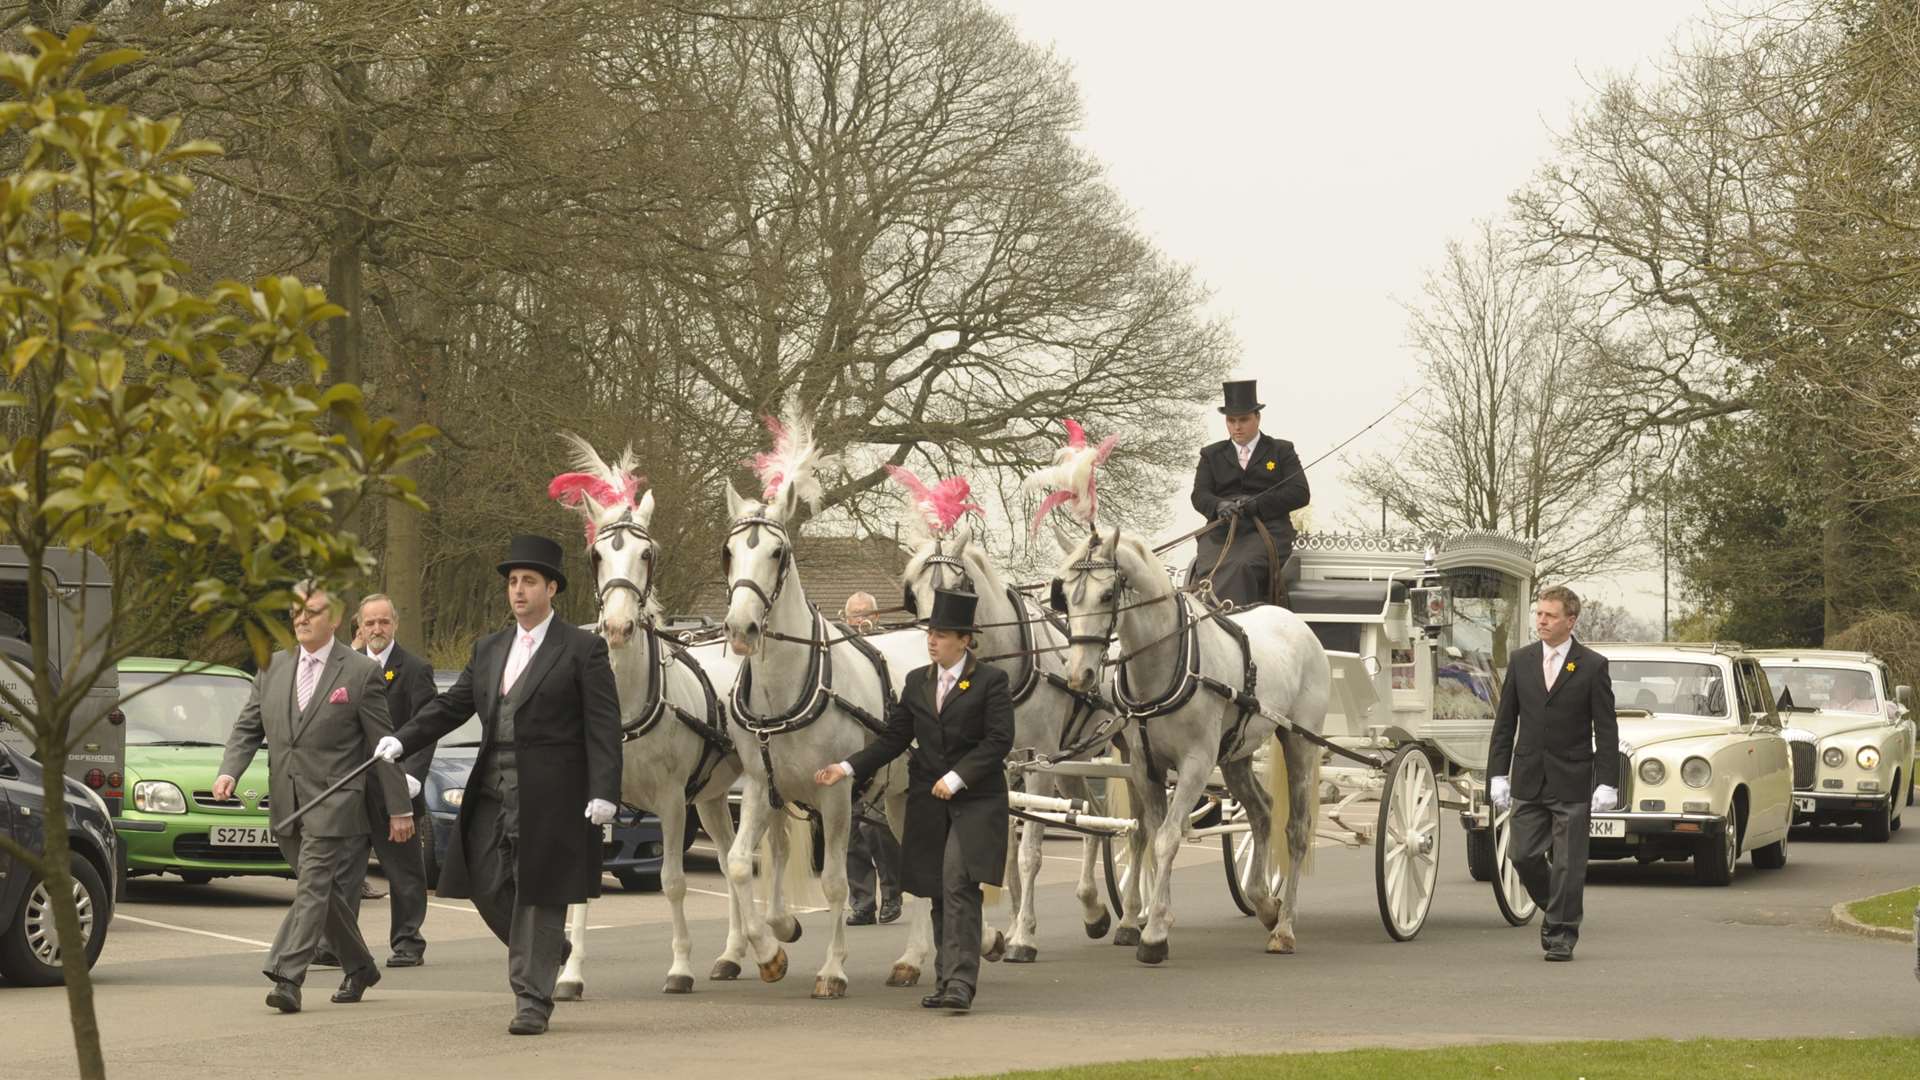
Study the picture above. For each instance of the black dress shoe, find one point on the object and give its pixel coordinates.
(935, 1000)
(1560, 953)
(406, 959)
(890, 910)
(860, 917)
(959, 998)
(323, 958)
(284, 996)
(527, 1022)
(352, 988)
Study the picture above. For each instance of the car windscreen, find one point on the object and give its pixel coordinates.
(1831, 689)
(187, 710)
(1673, 687)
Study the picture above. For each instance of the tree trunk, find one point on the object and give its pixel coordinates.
(66, 915)
(1835, 533)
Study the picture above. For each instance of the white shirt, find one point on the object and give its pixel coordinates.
(381, 656)
(1551, 657)
(952, 779)
(521, 648)
(321, 656)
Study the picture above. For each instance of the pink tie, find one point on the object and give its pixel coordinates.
(309, 676)
(1553, 667)
(1246, 454)
(946, 684)
(517, 663)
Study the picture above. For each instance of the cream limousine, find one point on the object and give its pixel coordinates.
(1705, 771)
(1851, 735)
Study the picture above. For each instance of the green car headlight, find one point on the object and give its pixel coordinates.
(1652, 771)
(1868, 757)
(158, 797)
(1696, 772)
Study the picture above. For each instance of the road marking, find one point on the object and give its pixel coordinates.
(454, 907)
(264, 945)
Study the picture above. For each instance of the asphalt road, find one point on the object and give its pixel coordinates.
(180, 994)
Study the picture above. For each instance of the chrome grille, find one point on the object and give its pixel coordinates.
(206, 799)
(1626, 782)
(1805, 764)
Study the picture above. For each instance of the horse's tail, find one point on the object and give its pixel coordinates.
(1280, 798)
(1313, 805)
(1289, 794)
(787, 850)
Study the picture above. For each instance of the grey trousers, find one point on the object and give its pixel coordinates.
(405, 866)
(323, 868)
(872, 853)
(956, 920)
(535, 934)
(1557, 885)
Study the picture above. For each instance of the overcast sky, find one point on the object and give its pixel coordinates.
(1311, 161)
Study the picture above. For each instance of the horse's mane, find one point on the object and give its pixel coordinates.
(1071, 476)
(793, 464)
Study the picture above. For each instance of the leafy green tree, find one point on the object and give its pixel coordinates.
(183, 434)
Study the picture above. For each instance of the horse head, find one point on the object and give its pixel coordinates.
(1095, 585)
(757, 557)
(619, 547)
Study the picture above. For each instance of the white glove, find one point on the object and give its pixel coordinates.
(1500, 790)
(413, 787)
(599, 811)
(388, 748)
(1604, 798)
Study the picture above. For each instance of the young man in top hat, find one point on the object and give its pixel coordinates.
(1246, 476)
(955, 721)
(527, 842)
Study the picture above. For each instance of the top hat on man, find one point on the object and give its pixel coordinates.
(1241, 399)
(535, 553)
(953, 610)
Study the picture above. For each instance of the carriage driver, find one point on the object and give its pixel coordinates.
(954, 720)
(1246, 476)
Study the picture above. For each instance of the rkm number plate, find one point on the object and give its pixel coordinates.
(1607, 827)
(1802, 804)
(241, 836)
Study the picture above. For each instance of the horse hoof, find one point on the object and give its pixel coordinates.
(775, 969)
(1022, 954)
(1126, 936)
(1150, 953)
(997, 950)
(569, 990)
(724, 971)
(678, 984)
(1280, 945)
(903, 975)
(828, 987)
(1098, 930)
(785, 928)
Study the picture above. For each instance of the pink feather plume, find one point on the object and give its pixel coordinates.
(1072, 476)
(770, 465)
(943, 504)
(567, 489)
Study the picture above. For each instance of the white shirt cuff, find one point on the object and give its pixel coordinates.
(953, 781)
(846, 768)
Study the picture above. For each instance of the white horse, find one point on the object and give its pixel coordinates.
(676, 749)
(1020, 638)
(1181, 677)
(806, 696)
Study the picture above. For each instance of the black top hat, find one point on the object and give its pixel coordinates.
(535, 553)
(953, 611)
(1240, 398)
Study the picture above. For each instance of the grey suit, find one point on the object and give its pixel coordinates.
(312, 748)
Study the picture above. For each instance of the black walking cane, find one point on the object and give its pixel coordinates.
(337, 785)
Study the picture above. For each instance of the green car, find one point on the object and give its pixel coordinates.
(175, 735)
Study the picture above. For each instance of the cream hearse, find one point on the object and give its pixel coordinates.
(1851, 737)
(1705, 771)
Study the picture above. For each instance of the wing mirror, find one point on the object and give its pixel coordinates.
(1903, 695)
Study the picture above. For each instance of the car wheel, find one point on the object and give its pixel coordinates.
(1879, 826)
(1771, 857)
(638, 880)
(1714, 860)
(195, 877)
(29, 945)
(1482, 864)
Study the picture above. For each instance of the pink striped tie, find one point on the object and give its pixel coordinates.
(309, 677)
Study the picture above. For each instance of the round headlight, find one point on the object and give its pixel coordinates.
(1834, 756)
(1868, 757)
(158, 797)
(452, 796)
(1652, 771)
(1696, 772)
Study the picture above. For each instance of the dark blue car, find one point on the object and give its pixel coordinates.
(631, 850)
(29, 947)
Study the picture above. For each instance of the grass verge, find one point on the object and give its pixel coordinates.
(1893, 909)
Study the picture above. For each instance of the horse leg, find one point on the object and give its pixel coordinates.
(1303, 792)
(754, 814)
(572, 983)
(1022, 887)
(1247, 788)
(673, 882)
(1093, 909)
(1166, 844)
(917, 911)
(719, 826)
(780, 918)
(836, 817)
(1149, 811)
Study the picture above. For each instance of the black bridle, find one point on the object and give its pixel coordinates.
(619, 531)
(936, 561)
(756, 522)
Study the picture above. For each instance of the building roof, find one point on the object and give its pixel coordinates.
(831, 568)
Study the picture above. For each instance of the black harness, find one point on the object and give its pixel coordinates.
(620, 530)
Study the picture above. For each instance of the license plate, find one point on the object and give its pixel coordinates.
(606, 833)
(1608, 827)
(1803, 805)
(241, 836)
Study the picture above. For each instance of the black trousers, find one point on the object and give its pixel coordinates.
(405, 866)
(535, 934)
(873, 865)
(956, 920)
(1557, 886)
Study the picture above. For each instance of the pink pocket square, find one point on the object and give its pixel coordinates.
(338, 697)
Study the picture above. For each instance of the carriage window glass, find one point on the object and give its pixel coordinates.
(188, 710)
(1669, 687)
(1825, 688)
(1488, 614)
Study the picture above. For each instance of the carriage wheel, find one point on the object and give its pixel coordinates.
(1116, 858)
(1516, 906)
(1236, 851)
(1406, 849)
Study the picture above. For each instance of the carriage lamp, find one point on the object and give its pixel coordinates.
(1652, 771)
(158, 797)
(1834, 756)
(452, 796)
(1696, 772)
(1868, 757)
